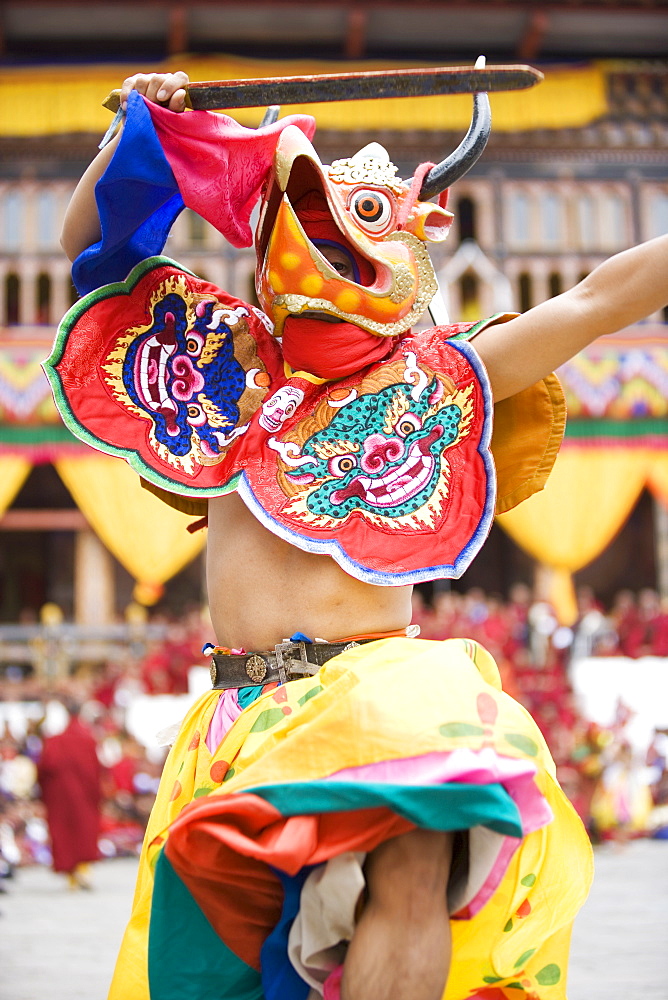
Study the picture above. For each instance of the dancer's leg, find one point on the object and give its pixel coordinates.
(401, 946)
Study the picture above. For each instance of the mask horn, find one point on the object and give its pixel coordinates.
(468, 151)
(271, 115)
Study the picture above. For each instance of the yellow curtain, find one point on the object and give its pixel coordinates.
(14, 471)
(146, 536)
(587, 499)
(62, 99)
(657, 475)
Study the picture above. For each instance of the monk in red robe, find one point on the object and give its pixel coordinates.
(69, 776)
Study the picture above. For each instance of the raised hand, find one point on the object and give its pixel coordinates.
(168, 89)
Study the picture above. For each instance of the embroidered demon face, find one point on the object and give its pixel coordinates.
(180, 372)
(383, 453)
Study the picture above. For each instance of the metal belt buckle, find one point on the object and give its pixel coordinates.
(289, 666)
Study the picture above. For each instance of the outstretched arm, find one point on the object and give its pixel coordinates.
(81, 227)
(620, 291)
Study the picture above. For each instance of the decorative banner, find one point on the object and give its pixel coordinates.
(25, 396)
(618, 379)
(587, 499)
(147, 537)
(13, 473)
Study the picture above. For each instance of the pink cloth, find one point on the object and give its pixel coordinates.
(475, 767)
(332, 988)
(219, 165)
(227, 712)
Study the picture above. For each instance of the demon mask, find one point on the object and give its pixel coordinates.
(378, 222)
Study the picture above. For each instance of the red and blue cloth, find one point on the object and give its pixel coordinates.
(164, 162)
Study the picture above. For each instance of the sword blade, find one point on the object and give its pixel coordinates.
(228, 94)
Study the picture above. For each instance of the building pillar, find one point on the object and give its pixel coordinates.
(94, 590)
(570, 271)
(27, 292)
(540, 269)
(661, 546)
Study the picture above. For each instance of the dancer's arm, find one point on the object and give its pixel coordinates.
(81, 226)
(620, 291)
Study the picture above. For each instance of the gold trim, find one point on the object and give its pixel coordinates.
(256, 668)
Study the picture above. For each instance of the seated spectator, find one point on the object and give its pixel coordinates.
(446, 622)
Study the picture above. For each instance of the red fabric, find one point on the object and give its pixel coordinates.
(123, 774)
(332, 985)
(331, 350)
(224, 848)
(69, 776)
(219, 165)
(658, 636)
(461, 502)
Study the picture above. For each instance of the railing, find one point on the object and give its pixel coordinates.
(52, 650)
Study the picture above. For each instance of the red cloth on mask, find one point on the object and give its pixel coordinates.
(331, 350)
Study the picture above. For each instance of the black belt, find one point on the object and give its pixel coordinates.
(286, 662)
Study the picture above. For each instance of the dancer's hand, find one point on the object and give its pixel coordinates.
(167, 89)
(81, 226)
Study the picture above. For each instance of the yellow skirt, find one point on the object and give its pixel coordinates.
(388, 736)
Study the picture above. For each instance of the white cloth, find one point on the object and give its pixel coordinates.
(325, 922)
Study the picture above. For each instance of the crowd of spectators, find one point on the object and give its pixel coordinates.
(533, 652)
(104, 692)
(617, 792)
(130, 777)
(634, 625)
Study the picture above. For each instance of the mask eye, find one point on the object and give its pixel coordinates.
(372, 209)
(407, 424)
(341, 465)
(194, 344)
(196, 415)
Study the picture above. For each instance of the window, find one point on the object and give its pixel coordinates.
(43, 310)
(586, 222)
(551, 219)
(555, 284)
(613, 221)
(46, 220)
(197, 230)
(13, 218)
(465, 215)
(520, 219)
(470, 299)
(658, 219)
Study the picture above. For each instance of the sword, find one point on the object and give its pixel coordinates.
(225, 94)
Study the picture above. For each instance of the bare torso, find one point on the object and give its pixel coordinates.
(262, 590)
